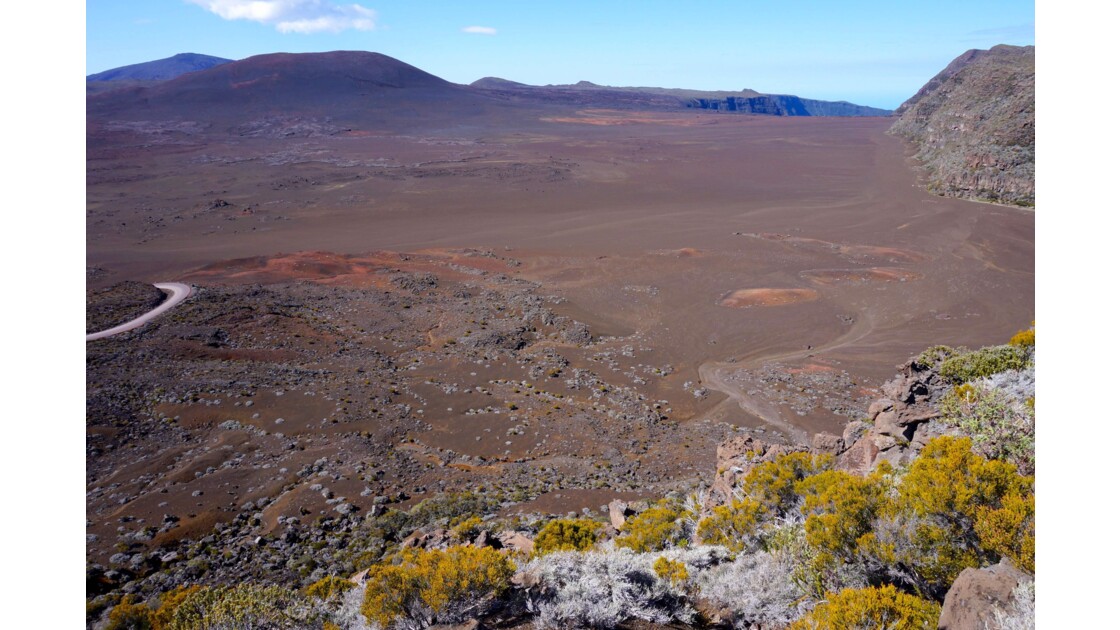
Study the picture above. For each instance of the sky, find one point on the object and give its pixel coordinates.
(868, 52)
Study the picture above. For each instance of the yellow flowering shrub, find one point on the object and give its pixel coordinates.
(444, 585)
(577, 534)
(885, 608)
(655, 529)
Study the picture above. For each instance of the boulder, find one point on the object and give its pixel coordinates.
(516, 540)
(976, 594)
(619, 510)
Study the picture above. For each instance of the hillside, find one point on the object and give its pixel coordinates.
(160, 69)
(973, 124)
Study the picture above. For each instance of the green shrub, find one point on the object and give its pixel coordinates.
(985, 362)
(884, 608)
(444, 586)
(999, 427)
(578, 534)
(248, 606)
(932, 357)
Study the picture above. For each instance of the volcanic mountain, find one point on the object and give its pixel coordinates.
(364, 90)
(350, 88)
(160, 69)
(973, 124)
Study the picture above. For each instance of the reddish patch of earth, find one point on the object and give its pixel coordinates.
(856, 276)
(744, 298)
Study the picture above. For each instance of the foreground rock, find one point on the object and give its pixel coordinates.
(978, 596)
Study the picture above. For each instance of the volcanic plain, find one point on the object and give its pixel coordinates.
(555, 306)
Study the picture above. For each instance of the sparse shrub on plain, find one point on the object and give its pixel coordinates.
(578, 534)
(985, 362)
(873, 608)
(655, 529)
(436, 586)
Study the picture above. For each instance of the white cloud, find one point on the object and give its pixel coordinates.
(295, 16)
(480, 30)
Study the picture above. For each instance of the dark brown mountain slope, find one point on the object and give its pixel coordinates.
(973, 124)
(348, 88)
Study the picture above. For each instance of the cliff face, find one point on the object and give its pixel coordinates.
(783, 105)
(973, 125)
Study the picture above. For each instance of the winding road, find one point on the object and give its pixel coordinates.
(179, 292)
(719, 376)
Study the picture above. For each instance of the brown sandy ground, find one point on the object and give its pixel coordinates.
(430, 282)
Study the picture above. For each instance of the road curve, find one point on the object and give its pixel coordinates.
(179, 292)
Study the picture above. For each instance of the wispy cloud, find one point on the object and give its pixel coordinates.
(295, 16)
(480, 30)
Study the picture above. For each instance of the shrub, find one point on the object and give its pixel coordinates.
(672, 571)
(330, 587)
(736, 526)
(841, 512)
(168, 603)
(655, 529)
(578, 534)
(773, 484)
(879, 608)
(1000, 427)
(603, 589)
(130, 616)
(759, 589)
(985, 362)
(246, 607)
(437, 585)
(932, 357)
(467, 528)
(1023, 337)
(929, 534)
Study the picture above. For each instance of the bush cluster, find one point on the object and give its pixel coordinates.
(985, 362)
(578, 534)
(435, 586)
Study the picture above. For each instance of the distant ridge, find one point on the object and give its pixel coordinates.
(973, 124)
(161, 69)
(586, 93)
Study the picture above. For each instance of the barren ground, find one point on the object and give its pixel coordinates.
(559, 311)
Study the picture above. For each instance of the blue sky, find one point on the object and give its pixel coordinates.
(869, 52)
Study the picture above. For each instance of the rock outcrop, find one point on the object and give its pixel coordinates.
(973, 125)
(979, 595)
(897, 427)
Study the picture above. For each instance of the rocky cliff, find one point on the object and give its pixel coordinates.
(973, 125)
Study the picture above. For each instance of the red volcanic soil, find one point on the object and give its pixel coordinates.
(744, 298)
(853, 276)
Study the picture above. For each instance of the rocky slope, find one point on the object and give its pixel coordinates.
(973, 125)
